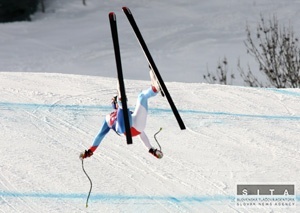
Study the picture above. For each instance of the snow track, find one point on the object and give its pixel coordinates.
(234, 135)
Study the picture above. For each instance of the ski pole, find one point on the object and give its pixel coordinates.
(87, 200)
(156, 139)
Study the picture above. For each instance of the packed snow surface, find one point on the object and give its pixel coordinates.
(234, 135)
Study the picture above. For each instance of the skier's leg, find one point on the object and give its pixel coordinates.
(143, 137)
(120, 123)
(139, 117)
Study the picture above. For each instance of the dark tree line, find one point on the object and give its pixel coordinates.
(17, 10)
(21, 10)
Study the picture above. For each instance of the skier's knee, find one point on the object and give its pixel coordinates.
(142, 99)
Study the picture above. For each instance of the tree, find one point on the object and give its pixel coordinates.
(276, 49)
(221, 75)
(43, 5)
(17, 10)
(277, 52)
(249, 78)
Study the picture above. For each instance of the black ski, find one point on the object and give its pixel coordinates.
(114, 34)
(153, 66)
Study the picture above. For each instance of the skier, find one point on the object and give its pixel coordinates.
(137, 119)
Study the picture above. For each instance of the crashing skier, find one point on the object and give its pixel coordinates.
(115, 120)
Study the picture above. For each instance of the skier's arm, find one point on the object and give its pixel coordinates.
(103, 131)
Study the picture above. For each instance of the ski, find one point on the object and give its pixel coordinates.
(153, 66)
(115, 39)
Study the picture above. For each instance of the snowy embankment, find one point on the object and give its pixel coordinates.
(234, 135)
(186, 39)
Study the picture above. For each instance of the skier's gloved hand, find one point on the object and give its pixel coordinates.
(85, 154)
(114, 102)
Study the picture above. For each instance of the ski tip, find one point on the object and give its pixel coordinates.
(126, 10)
(112, 15)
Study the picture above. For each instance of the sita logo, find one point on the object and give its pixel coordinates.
(245, 192)
(266, 189)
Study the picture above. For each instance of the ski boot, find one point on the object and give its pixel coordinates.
(157, 153)
(154, 82)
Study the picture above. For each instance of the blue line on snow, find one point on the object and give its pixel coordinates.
(115, 197)
(112, 197)
(285, 92)
(153, 110)
(281, 117)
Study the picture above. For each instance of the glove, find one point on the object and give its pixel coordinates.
(114, 102)
(85, 154)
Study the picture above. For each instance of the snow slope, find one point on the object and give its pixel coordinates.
(234, 135)
(185, 37)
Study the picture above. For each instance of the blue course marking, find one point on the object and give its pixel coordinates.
(285, 92)
(115, 197)
(280, 117)
(153, 110)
